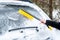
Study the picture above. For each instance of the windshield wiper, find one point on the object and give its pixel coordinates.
(24, 28)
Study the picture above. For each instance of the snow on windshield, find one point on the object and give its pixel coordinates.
(10, 19)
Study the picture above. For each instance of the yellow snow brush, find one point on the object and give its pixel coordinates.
(29, 16)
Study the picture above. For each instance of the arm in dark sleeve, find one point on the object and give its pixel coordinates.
(53, 24)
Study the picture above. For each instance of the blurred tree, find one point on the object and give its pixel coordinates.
(48, 5)
(50, 9)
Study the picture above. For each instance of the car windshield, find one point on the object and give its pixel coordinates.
(9, 17)
(11, 21)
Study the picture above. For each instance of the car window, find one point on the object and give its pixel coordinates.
(10, 13)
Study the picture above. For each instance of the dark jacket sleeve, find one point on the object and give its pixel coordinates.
(53, 24)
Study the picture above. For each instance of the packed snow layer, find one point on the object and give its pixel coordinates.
(28, 34)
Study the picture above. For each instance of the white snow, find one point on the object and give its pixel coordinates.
(31, 34)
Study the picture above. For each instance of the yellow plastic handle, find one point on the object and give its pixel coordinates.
(24, 13)
(50, 27)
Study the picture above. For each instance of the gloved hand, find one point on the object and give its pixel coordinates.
(43, 21)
